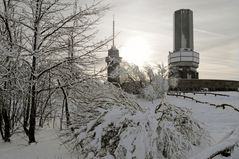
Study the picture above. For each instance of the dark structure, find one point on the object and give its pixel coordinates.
(207, 84)
(113, 62)
(183, 30)
(183, 61)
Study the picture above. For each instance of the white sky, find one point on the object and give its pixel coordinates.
(146, 32)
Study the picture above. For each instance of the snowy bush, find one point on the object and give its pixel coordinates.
(158, 85)
(156, 89)
(149, 93)
(179, 133)
(173, 82)
(113, 125)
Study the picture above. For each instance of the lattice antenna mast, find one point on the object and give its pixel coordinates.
(113, 31)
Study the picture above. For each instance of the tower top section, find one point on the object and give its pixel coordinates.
(113, 36)
(113, 31)
(183, 30)
(183, 10)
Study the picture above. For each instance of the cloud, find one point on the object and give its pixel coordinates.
(209, 33)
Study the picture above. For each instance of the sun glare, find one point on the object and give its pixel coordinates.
(136, 50)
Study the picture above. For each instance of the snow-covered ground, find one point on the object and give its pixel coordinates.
(48, 147)
(219, 122)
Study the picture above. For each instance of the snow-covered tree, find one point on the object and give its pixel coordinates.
(49, 31)
(173, 82)
(132, 73)
(109, 123)
(12, 69)
(133, 79)
(158, 84)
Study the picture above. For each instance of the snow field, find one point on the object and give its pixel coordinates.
(219, 122)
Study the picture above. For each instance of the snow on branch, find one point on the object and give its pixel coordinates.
(222, 148)
(109, 123)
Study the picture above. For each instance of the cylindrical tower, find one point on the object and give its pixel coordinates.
(183, 61)
(183, 29)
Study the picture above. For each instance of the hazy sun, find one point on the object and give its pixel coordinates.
(136, 50)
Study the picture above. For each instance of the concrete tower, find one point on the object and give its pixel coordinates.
(113, 62)
(183, 61)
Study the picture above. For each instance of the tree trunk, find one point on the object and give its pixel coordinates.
(67, 111)
(5, 117)
(43, 114)
(62, 112)
(1, 123)
(32, 116)
(6, 120)
(65, 104)
(32, 121)
(26, 114)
